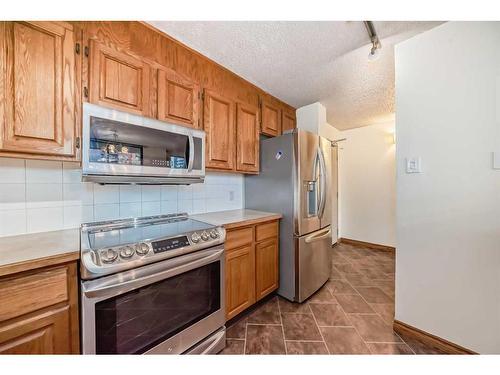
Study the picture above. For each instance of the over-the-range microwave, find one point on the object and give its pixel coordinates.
(122, 148)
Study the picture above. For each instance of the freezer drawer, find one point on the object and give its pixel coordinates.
(312, 262)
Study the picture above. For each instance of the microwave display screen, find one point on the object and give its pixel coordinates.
(114, 142)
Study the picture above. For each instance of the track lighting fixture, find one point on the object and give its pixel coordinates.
(376, 45)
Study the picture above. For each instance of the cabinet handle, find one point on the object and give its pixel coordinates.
(86, 51)
(86, 92)
(77, 142)
(77, 48)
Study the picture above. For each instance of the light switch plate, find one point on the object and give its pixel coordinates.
(413, 165)
(496, 159)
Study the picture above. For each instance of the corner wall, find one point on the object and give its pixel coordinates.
(367, 184)
(448, 216)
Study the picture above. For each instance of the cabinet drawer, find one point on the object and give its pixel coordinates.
(22, 295)
(267, 230)
(238, 237)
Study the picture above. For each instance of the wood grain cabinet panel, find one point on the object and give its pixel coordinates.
(252, 266)
(240, 280)
(247, 138)
(178, 99)
(288, 121)
(38, 88)
(119, 80)
(271, 118)
(266, 268)
(44, 333)
(39, 311)
(218, 122)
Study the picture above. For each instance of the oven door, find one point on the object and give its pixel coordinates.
(163, 308)
(119, 147)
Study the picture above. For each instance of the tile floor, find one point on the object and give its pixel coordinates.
(351, 314)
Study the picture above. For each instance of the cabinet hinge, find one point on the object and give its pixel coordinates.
(202, 95)
(86, 51)
(77, 142)
(77, 48)
(86, 92)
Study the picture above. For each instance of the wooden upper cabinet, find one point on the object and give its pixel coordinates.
(178, 99)
(288, 121)
(247, 138)
(218, 122)
(119, 80)
(271, 118)
(38, 89)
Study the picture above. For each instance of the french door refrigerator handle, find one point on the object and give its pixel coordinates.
(323, 185)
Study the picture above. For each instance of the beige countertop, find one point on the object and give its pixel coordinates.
(236, 218)
(34, 250)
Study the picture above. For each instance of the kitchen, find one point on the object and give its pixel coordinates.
(153, 201)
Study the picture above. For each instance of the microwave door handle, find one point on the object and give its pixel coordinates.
(191, 153)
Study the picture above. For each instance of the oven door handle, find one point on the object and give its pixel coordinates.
(150, 274)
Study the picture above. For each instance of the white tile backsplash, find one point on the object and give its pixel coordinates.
(12, 171)
(44, 219)
(38, 196)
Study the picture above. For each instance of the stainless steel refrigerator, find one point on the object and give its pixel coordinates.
(298, 178)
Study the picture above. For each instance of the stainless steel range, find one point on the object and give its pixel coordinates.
(152, 285)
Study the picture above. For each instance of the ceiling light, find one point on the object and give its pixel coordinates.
(376, 45)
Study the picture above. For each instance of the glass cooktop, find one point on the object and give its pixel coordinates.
(143, 232)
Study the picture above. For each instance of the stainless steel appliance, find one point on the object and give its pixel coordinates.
(121, 148)
(152, 285)
(298, 179)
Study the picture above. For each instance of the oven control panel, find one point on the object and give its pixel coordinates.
(169, 244)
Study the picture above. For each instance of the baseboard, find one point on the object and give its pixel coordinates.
(430, 339)
(367, 244)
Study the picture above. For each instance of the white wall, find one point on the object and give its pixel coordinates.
(448, 216)
(37, 196)
(368, 184)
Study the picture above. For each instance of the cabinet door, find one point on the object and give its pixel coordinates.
(38, 88)
(288, 121)
(247, 138)
(43, 333)
(240, 280)
(218, 122)
(178, 99)
(266, 267)
(119, 80)
(271, 119)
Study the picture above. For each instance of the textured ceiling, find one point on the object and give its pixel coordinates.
(305, 62)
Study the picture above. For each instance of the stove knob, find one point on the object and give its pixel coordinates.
(127, 252)
(142, 249)
(204, 236)
(109, 256)
(195, 237)
(214, 234)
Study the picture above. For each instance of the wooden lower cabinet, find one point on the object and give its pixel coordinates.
(252, 265)
(240, 279)
(266, 267)
(39, 311)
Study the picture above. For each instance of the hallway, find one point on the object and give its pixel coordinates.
(351, 314)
